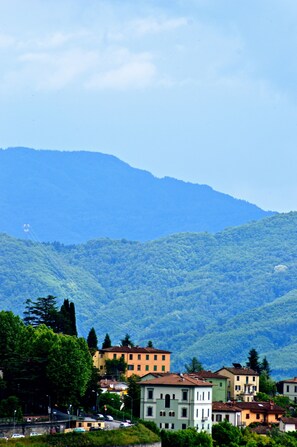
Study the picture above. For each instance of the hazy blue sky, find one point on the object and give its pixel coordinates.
(200, 90)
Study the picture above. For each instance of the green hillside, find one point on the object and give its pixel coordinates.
(196, 294)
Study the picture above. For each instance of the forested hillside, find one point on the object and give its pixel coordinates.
(211, 296)
(72, 197)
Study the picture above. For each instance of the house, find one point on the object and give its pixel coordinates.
(86, 424)
(139, 360)
(112, 386)
(226, 411)
(219, 389)
(288, 424)
(288, 388)
(261, 412)
(242, 384)
(177, 401)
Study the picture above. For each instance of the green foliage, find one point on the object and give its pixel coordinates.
(267, 385)
(225, 434)
(193, 366)
(115, 367)
(107, 342)
(190, 293)
(126, 341)
(92, 341)
(111, 399)
(185, 438)
(132, 399)
(253, 361)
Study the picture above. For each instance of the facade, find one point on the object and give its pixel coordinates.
(242, 384)
(219, 389)
(222, 411)
(177, 401)
(288, 388)
(261, 412)
(140, 360)
(112, 386)
(288, 424)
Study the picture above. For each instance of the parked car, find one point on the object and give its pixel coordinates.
(125, 424)
(95, 428)
(2, 436)
(108, 418)
(99, 416)
(79, 430)
(17, 435)
(34, 433)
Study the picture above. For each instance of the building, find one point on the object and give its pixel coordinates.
(112, 386)
(219, 389)
(139, 360)
(177, 401)
(288, 388)
(222, 411)
(261, 412)
(288, 424)
(242, 384)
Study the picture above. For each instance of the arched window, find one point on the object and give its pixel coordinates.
(167, 401)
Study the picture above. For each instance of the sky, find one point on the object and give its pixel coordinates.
(200, 90)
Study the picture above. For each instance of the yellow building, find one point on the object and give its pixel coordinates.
(261, 412)
(139, 360)
(242, 384)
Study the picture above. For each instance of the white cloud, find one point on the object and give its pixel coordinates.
(155, 25)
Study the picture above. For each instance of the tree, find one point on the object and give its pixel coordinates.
(72, 319)
(107, 342)
(132, 399)
(115, 367)
(111, 399)
(150, 344)
(253, 361)
(126, 341)
(267, 385)
(92, 341)
(265, 367)
(42, 311)
(225, 434)
(193, 366)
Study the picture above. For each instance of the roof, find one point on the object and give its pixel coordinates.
(208, 375)
(260, 407)
(294, 380)
(176, 380)
(240, 371)
(225, 407)
(134, 350)
(291, 421)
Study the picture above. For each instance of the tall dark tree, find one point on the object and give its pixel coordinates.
(92, 341)
(67, 318)
(72, 319)
(265, 367)
(42, 311)
(150, 344)
(107, 342)
(126, 341)
(194, 366)
(132, 399)
(253, 361)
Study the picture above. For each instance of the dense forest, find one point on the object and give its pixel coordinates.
(73, 197)
(209, 296)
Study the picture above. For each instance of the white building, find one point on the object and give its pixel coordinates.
(288, 388)
(177, 401)
(226, 411)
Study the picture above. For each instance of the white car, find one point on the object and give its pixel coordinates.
(108, 418)
(125, 424)
(34, 433)
(17, 435)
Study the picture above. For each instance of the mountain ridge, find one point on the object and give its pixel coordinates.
(85, 195)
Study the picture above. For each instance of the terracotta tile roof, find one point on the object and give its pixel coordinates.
(261, 407)
(208, 375)
(239, 371)
(176, 380)
(226, 407)
(134, 350)
(294, 380)
(290, 421)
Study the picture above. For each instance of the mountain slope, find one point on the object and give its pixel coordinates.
(73, 197)
(211, 296)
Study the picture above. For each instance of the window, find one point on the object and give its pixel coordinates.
(184, 412)
(184, 394)
(163, 367)
(161, 396)
(237, 387)
(212, 417)
(161, 424)
(101, 366)
(150, 393)
(227, 417)
(138, 367)
(122, 356)
(203, 395)
(295, 389)
(101, 356)
(139, 356)
(208, 412)
(162, 413)
(288, 388)
(149, 411)
(208, 395)
(163, 358)
(247, 416)
(173, 396)
(218, 418)
(172, 426)
(172, 413)
(130, 367)
(130, 356)
(197, 412)
(221, 384)
(257, 416)
(246, 379)
(166, 425)
(155, 367)
(114, 356)
(254, 379)
(147, 367)
(184, 426)
(167, 401)
(237, 378)
(147, 357)
(155, 357)
(254, 388)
